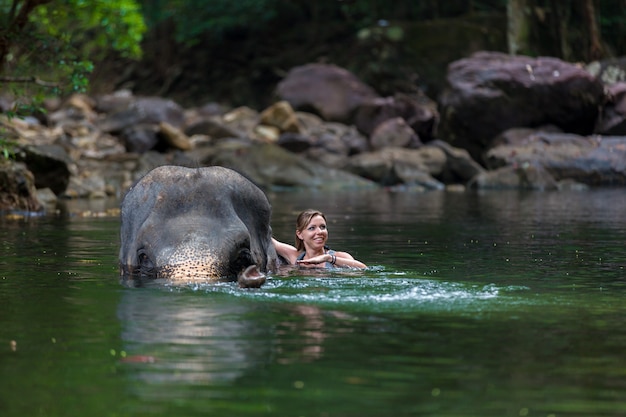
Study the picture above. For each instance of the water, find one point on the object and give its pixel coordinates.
(492, 304)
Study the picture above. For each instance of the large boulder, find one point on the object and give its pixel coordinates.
(332, 92)
(50, 164)
(272, 167)
(17, 187)
(524, 177)
(393, 166)
(490, 92)
(592, 160)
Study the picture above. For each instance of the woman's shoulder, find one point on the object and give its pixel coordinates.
(342, 254)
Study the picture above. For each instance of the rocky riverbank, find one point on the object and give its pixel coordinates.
(502, 122)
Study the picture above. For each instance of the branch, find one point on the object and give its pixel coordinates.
(34, 80)
(21, 18)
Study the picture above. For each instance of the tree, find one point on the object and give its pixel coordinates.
(591, 22)
(571, 29)
(517, 25)
(54, 42)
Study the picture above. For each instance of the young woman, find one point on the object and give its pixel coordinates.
(311, 249)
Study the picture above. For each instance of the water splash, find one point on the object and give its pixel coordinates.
(373, 290)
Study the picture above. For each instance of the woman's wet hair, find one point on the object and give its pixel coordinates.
(302, 221)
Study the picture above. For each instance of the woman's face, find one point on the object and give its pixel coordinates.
(315, 234)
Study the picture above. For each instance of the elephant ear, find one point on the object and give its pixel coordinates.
(271, 255)
(255, 211)
(256, 215)
(136, 206)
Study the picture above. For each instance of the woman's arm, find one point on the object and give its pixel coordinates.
(285, 250)
(345, 259)
(341, 259)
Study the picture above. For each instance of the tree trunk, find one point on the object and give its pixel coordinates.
(595, 43)
(16, 21)
(561, 12)
(517, 27)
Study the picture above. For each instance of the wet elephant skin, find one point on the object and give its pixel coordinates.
(190, 224)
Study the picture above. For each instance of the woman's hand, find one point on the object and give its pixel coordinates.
(320, 259)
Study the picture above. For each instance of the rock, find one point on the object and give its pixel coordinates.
(309, 122)
(571, 185)
(46, 196)
(282, 116)
(266, 133)
(524, 177)
(50, 165)
(87, 185)
(323, 156)
(272, 167)
(90, 143)
(339, 138)
(140, 138)
(174, 137)
(294, 142)
(242, 121)
(333, 143)
(491, 92)
(327, 90)
(144, 110)
(518, 135)
(392, 166)
(612, 119)
(327, 143)
(78, 109)
(17, 187)
(455, 188)
(460, 167)
(211, 127)
(592, 160)
(506, 112)
(609, 71)
(419, 112)
(394, 133)
(81, 102)
(114, 102)
(194, 115)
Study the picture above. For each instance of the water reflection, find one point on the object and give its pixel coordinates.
(197, 340)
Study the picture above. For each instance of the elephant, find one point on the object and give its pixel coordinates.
(196, 224)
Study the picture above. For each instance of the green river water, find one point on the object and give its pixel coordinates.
(474, 304)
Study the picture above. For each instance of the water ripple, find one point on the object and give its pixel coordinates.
(375, 291)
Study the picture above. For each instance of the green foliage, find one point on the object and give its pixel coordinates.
(7, 146)
(61, 39)
(209, 17)
(93, 27)
(47, 47)
(612, 20)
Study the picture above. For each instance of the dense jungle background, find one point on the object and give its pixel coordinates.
(196, 51)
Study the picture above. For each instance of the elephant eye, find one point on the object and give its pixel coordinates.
(241, 262)
(146, 267)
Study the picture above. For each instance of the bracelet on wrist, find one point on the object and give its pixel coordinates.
(333, 259)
